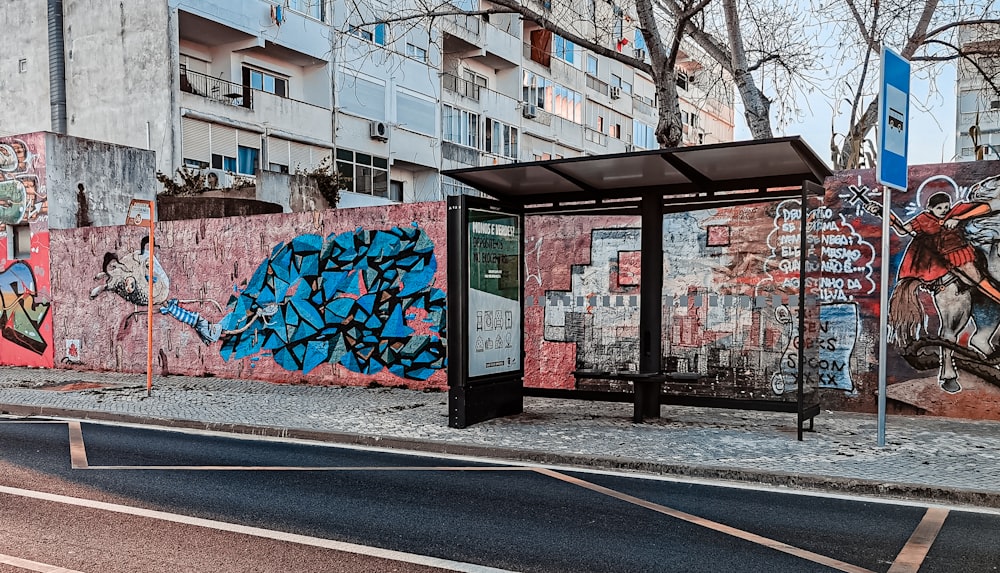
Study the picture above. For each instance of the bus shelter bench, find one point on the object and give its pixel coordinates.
(647, 395)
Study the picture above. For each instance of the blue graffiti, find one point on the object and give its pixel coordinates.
(364, 300)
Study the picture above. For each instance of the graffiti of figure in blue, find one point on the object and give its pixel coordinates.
(362, 299)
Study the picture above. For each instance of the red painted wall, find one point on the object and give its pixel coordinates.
(26, 314)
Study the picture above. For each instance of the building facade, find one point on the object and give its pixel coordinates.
(284, 86)
(978, 114)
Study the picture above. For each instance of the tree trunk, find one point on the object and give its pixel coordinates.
(668, 126)
(757, 108)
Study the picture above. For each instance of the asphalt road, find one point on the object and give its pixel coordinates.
(189, 502)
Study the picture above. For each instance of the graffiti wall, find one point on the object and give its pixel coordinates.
(339, 297)
(727, 311)
(25, 295)
(944, 302)
(357, 296)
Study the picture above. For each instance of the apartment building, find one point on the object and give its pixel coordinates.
(236, 87)
(978, 106)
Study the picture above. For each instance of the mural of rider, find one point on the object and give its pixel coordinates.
(939, 250)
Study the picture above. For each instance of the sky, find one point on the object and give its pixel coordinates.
(932, 122)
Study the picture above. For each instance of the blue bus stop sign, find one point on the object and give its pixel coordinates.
(893, 122)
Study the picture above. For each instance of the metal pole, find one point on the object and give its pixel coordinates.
(883, 318)
(149, 305)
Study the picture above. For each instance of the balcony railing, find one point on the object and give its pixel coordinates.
(461, 86)
(216, 89)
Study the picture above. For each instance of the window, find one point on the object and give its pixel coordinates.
(684, 80)
(564, 49)
(223, 162)
(362, 97)
(470, 84)
(381, 34)
(592, 65)
(501, 139)
(619, 24)
(396, 191)
(416, 52)
(416, 113)
(621, 84)
(460, 126)
(265, 82)
(248, 158)
(361, 33)
(20, 241)
(369, 174)
(194, 163)
(313, 8)
(642, 135)
(639, 41)
(552, 97)
(277, 168)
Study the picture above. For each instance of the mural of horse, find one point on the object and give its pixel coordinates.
(960, 305)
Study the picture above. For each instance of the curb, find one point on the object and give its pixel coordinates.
(882, 489)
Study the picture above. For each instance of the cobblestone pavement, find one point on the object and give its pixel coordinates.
(936, 459)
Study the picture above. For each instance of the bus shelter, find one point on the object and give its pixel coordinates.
(486, 266)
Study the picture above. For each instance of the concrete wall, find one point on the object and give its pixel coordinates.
(118, 74)
(111, 176)
(26, 94)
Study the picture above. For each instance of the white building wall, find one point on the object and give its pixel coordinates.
(24, 69)
(118, 78)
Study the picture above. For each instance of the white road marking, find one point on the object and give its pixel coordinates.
(255, 531)
(33, 565)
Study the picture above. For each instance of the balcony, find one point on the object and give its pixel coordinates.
(462, 93)
(216, 89)
(236, 27)
(461, 33)
(257, 107)
(470, 157)
(495, 45)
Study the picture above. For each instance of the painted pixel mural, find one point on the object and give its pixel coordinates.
(729, 273)
(25, 319)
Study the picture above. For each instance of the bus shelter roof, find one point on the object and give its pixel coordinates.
(689, 178)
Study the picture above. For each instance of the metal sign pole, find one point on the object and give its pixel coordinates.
(883, 315)
(891, 172)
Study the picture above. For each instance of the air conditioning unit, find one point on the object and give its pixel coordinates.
(529, 111)
(616, 92)
(378, 130)
(640, 54)
(217, 179)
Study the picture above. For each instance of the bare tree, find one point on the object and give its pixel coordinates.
(923, 32)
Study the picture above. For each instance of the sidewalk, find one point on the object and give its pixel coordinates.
(936, 459)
